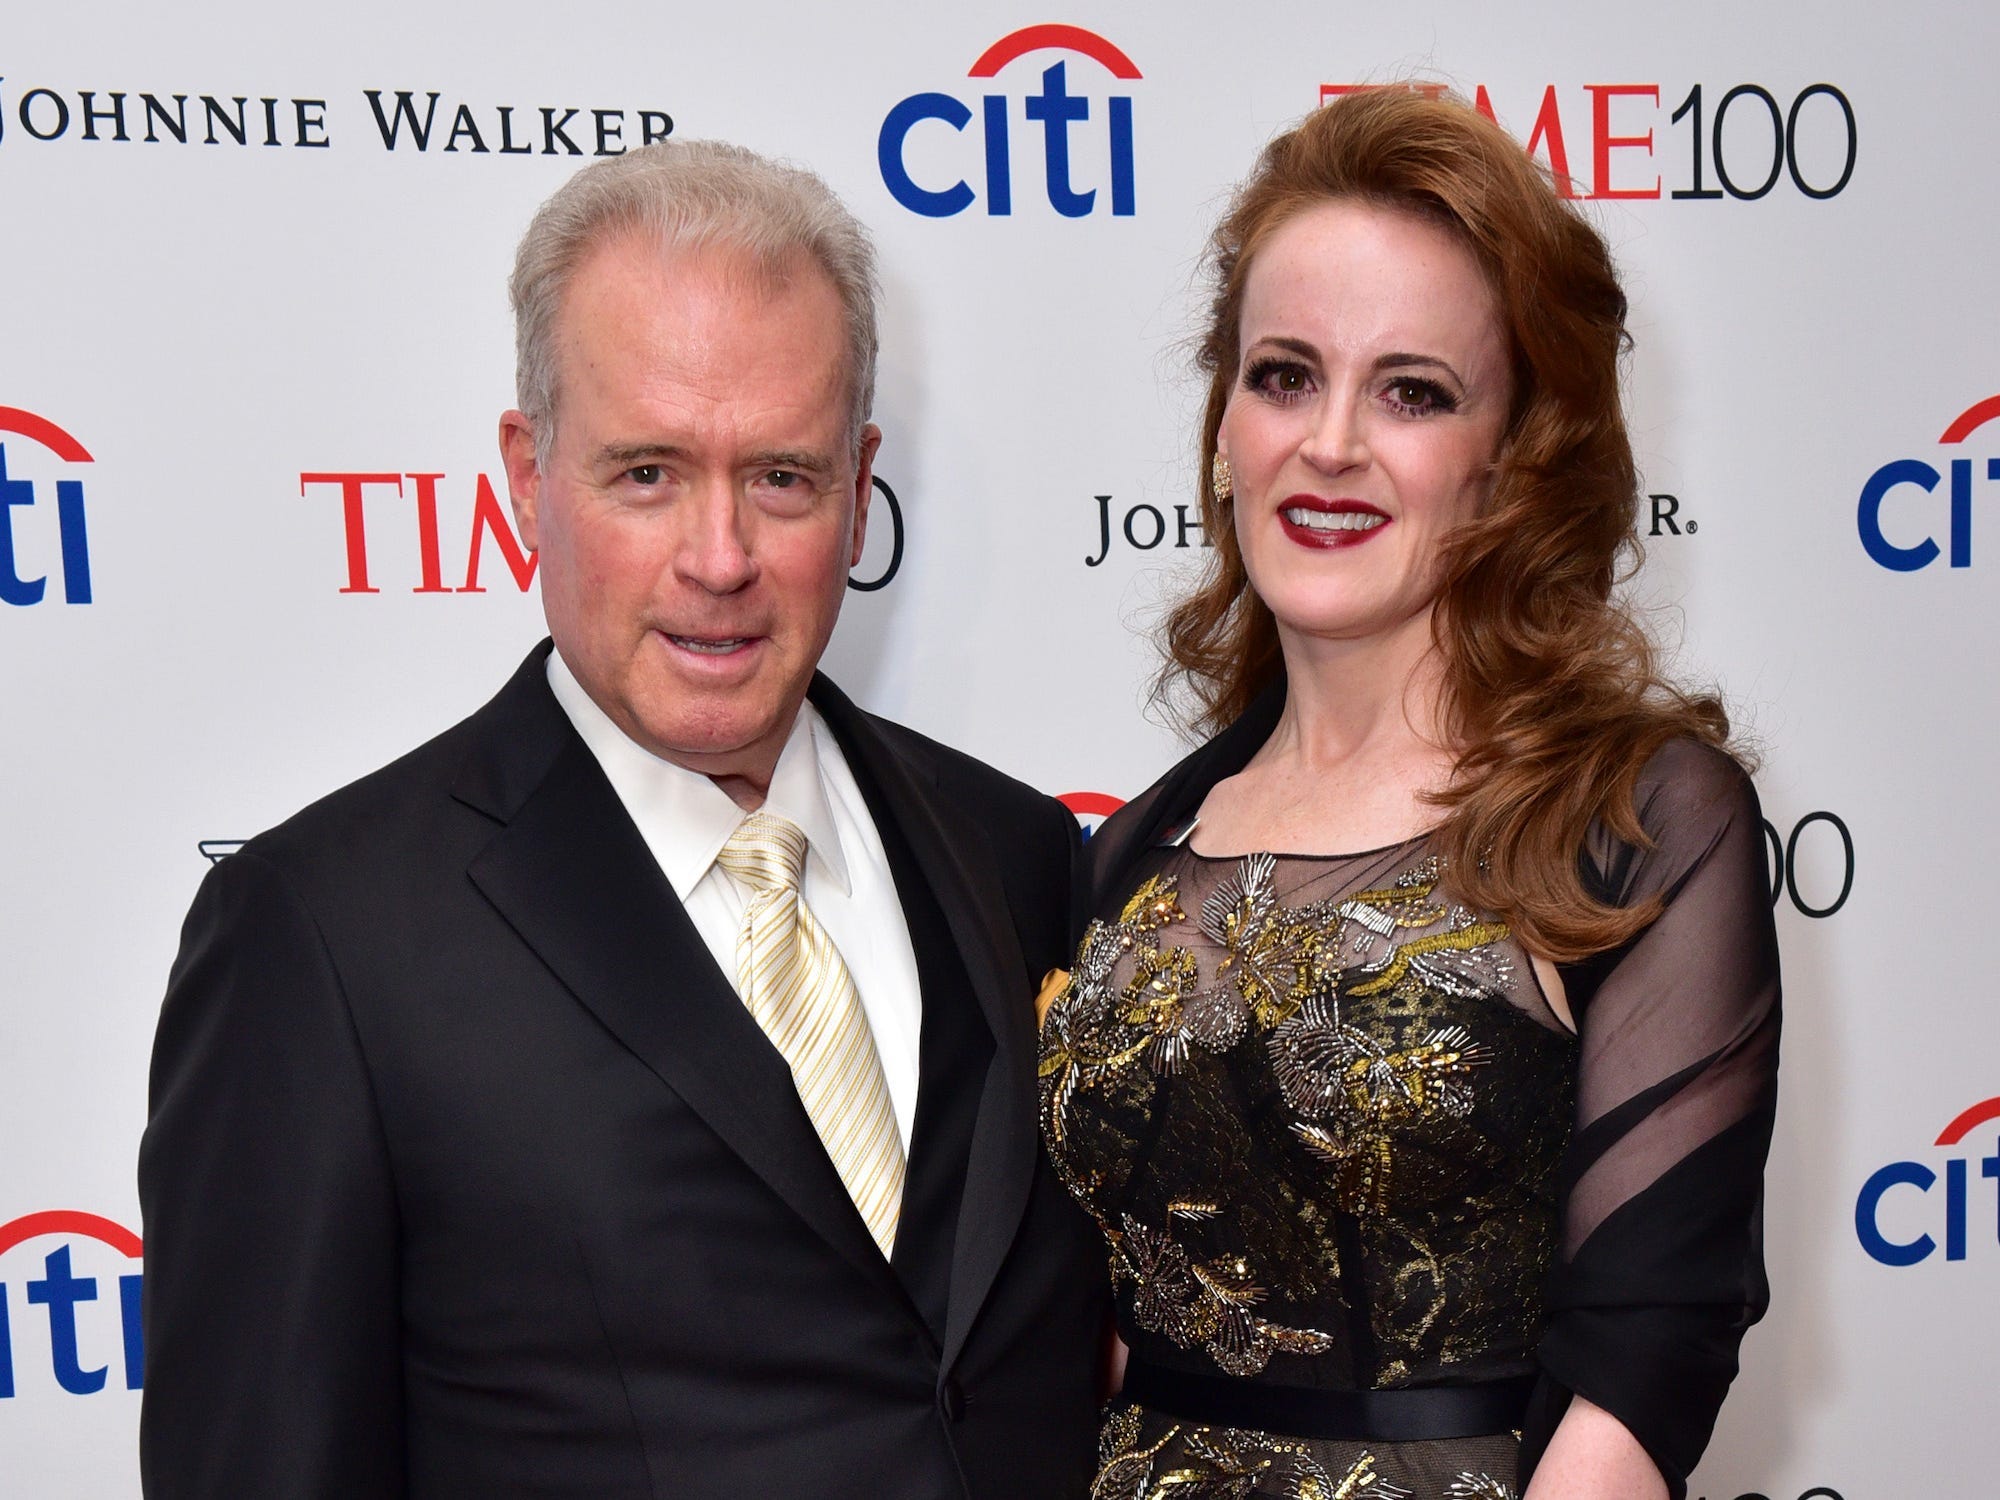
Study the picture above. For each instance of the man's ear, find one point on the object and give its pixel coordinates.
(864, 488)
(524, 474)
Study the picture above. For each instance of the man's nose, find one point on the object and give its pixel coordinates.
(715, 542)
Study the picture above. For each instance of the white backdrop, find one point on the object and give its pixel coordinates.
(190, 329)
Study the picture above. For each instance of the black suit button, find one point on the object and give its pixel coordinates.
(951, 1398)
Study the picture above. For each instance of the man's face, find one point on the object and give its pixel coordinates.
(701, 506)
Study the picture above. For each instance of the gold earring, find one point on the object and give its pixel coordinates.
(1221, 482)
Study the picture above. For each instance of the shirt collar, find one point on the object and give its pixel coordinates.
(684, 817)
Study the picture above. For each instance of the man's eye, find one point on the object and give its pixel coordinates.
(646, 474)
(781, 479)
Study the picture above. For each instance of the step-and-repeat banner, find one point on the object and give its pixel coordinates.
(254, 538)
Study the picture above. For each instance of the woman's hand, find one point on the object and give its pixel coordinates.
(1053, 984)
(1593, 1456)
(1115, 1355)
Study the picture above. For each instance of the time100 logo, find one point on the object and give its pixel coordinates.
(1740, 144)
(1824, 832)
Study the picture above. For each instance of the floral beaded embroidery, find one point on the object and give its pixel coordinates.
(1138, 1010)
(1224, 1463)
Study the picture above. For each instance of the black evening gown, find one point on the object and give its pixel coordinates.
(1339, 1145)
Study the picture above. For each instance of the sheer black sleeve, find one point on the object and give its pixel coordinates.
(1661, 1268)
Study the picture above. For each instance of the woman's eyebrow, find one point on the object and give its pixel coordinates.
(1399, 360)
(1290, 345)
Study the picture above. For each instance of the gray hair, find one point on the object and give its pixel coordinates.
(688, 195)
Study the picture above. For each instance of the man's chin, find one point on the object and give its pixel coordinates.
(730, 739)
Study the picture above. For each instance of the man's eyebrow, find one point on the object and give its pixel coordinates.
(627, 455)
(630, 455)
(793, 458)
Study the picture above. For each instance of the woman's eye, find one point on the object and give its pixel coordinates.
(1279, 378)
(1420, 396)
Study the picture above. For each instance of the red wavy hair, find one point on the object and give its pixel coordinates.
(1553, 698)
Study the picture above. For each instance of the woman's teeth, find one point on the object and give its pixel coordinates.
(1333, 520)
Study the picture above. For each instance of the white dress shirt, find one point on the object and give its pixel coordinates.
(685, 820)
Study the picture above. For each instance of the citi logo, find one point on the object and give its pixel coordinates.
(86, 1321)
(1075, 183)
(65, 544)
(1912, 1207)
(1911, 519)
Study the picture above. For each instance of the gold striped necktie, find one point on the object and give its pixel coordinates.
(793, 981)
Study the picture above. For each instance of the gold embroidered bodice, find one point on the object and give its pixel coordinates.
(1316, 1106)
(1335, 1138)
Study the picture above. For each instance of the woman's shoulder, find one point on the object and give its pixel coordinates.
(1691, 798)
(1690, 782)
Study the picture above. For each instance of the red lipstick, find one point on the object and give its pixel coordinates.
(1347, 523)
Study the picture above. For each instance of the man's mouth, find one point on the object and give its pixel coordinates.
(710, 645)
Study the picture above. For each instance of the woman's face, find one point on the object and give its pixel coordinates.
(1365, 418)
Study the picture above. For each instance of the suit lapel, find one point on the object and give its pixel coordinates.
(949, 848)
(570, 873)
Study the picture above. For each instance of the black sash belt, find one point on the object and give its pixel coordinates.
(1395, 1416)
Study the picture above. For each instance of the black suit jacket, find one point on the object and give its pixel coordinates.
(468, 1174)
